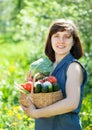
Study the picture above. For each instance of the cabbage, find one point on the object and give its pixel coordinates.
(42, 65)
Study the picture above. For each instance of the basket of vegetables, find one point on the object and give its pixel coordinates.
(42, 90)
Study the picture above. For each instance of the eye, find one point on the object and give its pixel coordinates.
(56, 36)
(67, 36)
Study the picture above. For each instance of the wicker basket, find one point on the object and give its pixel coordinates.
(22, 99)
(41, 99)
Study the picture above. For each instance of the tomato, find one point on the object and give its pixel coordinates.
(28, 85)
(51, 79)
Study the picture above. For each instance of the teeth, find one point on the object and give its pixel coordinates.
(61, 46)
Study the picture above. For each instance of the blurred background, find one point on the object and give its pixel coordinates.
(24, 26)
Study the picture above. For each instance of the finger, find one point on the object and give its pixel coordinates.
(28, 75)
(24, 107)
(25, 110)
(28, 99)
(29, 102)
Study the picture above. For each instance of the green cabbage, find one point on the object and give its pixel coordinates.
(42, 65)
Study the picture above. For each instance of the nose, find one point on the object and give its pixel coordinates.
(61, 40)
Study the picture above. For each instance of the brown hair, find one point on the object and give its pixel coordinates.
(62, 25)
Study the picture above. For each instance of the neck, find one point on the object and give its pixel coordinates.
(59, 58)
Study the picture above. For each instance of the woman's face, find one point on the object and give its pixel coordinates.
(62, 42)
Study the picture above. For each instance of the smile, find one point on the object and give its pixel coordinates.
(61, 47)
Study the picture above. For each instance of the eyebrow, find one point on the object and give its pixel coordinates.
(67, 32)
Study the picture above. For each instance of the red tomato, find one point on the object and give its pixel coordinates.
(51, 79)
(28, 85)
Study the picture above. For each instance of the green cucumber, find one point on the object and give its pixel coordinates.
(56, 87)
(44, 89)
(38, 87)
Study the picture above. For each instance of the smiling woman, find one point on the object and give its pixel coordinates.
(63, 48)
(70, 35)
(62, 42)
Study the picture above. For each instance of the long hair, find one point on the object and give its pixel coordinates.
(62, 25)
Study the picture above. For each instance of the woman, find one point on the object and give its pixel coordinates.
(63, 47)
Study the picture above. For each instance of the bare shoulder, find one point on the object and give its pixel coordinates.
(75, 70)
(75, 67)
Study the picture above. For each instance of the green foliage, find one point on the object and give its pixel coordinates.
(86, 113)
(15, 61)
(23, 32)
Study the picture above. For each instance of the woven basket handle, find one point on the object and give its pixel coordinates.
(34, 79)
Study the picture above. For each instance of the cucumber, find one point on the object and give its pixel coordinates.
(38, 87)
(50, 86)
(45, 87)
(56, 87)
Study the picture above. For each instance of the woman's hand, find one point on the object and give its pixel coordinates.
(28, 76)
(30, 110)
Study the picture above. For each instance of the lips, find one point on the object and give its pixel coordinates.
(60, 47)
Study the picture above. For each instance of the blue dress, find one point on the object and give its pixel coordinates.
(71, 120)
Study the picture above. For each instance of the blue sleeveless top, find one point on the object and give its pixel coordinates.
(68, 121)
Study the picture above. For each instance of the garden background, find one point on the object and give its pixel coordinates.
(23, 28)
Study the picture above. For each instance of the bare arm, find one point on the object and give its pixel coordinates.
(70, 103)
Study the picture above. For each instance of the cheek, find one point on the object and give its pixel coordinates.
(53, 44)
(71, 43)
(52, 40)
